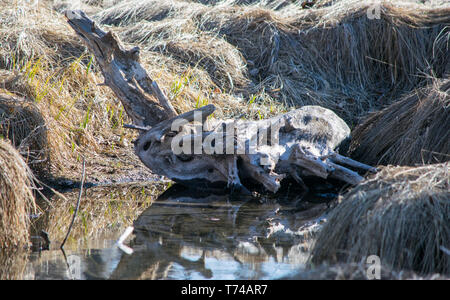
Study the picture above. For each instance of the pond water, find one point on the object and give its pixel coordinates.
(192, 235)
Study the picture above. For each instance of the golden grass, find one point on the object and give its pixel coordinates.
(29, 32)
(358, 271)
(247, 60)
(78, 115)
(49, 68)
(334, 56)
(16, 198)
(400, 214)
(60, 81)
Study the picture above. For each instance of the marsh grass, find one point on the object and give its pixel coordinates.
(400, 214)
(332, 55)
(224, 53)
(22, 124)
(16, 198)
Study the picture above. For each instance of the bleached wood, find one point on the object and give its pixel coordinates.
(296, 144)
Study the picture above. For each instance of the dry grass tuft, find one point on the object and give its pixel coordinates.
(401, 214)
(13, 264)
(250, 58)
(47, 65)
(16, 198)
(72, 111)
(21, 122)
(44, 62)
(32, 31)
(336, 56)
(130, 12)
(223, 63)
(414, 130)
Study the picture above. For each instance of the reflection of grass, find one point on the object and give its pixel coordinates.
(102, 209)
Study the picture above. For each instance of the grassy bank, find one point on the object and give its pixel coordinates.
(400, 214)
(252, 58)
(387, 77)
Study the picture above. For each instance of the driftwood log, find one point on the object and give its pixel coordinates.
(193, 149)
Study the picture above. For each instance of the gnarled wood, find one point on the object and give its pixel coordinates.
(123, 73)
(188, 148)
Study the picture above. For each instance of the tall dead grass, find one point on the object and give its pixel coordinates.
(21, 122)
(250, 58)
(331, 55)
(16, 198)
(401, 214)
(60, 82)
(336, 56)
(181, 41)
(29, 31)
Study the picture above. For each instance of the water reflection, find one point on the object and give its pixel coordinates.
(187, 235)
(190, 235)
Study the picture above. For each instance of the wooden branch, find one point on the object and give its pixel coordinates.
(141, 97)
(157, 132)
(270, 180)
(299, 143)
(309, 162)
(345, 174)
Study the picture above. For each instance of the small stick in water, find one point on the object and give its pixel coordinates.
(78, 204)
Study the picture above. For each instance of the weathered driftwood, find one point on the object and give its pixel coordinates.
(123, 73)
(190, 148)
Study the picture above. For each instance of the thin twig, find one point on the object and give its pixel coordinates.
(132, 126)
(78, 204)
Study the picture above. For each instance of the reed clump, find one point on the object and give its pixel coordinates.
(401, 214)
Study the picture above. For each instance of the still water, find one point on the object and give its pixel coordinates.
(192, 235)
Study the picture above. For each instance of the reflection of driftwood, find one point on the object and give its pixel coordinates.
(299, 143)
(184, 222)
